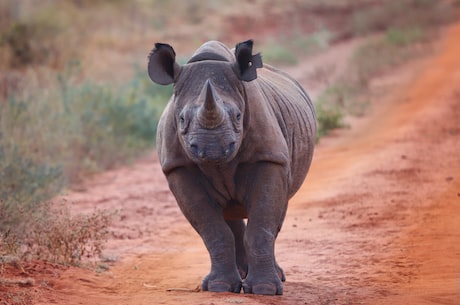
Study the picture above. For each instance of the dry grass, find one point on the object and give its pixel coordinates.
(22, 297)
(53, 234)
(68, 239)
(17, 281)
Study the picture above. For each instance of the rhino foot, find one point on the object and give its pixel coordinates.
(266, 288)
(280, 272)
(221, 285)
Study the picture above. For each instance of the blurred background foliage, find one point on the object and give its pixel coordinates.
(75, 98)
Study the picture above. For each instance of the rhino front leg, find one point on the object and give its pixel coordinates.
(206, 218)
(266, 203)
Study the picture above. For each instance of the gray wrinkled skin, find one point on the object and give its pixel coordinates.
(235, 141)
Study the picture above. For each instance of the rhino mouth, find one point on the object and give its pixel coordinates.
(212, 152)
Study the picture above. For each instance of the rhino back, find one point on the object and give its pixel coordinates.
(295, 117)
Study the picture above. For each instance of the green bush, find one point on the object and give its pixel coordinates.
(25, 184)
(404, 36)
(286, 50)
(329, 111)
(112, 126)
(278, 54)
(49, 138)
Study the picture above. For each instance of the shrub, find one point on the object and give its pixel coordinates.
(404, 36)
(58, 237)
(48, 138)
(286, 50)
(25, 183)
(51, 233)
(278, 54)
(112, 127)
(329, 111)
(310, 44)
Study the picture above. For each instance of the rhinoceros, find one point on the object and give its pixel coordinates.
(235, 143)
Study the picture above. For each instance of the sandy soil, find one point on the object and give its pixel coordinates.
(376, 222)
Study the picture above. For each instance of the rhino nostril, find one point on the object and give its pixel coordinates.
(230, 149)
(194, 149)
(200, 153)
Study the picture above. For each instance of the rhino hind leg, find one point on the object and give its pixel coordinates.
(238, 228)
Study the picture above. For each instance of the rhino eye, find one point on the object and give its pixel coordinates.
(238, 116)
(183, 124)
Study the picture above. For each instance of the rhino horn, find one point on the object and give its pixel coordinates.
(210, 113)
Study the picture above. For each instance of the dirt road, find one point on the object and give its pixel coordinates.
(377, 221)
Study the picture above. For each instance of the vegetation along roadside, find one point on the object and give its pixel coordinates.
(59, 121)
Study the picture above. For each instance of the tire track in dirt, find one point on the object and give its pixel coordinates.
(376, 222)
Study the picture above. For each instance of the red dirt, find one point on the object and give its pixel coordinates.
(377, 221)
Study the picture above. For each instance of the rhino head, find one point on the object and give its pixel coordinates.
(209, 100)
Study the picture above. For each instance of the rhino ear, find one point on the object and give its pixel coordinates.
(162, 66)
(247, 63)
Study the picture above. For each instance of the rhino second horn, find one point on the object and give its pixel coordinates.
(210, 113)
